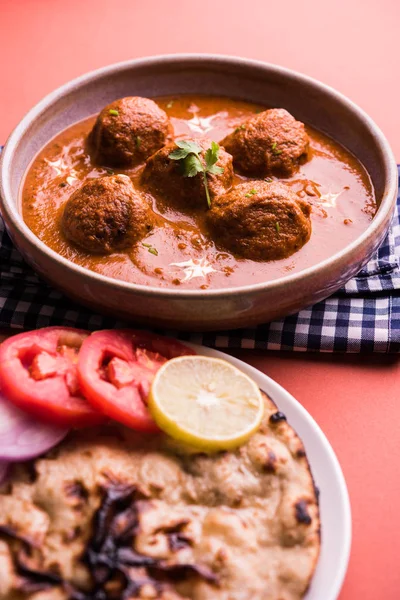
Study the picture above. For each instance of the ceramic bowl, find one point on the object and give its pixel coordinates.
(311, 101)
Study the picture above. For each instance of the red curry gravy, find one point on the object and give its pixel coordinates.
(178, 252)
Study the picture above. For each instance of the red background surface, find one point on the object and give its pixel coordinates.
(349, 44)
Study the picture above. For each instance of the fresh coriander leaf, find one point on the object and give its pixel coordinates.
(210, 159)
(211, 155)
(138, 141)
(113, 112)
(188, 153)
(178, 154)
(109, 171)
(250, 193)
(192, 165)
(275, 150)
(150, 249)
(184, 148)
(215, 170)
(189, 146)
(242, 126)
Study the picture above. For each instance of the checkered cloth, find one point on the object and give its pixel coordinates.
(364, 316)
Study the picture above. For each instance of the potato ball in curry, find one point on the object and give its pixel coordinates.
(272, 142)
(106, 214)
(260, 221)
(166, 178)
(128, 131)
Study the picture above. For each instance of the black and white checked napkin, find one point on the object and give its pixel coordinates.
(364, 316)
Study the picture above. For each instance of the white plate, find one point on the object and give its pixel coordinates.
(328, 476)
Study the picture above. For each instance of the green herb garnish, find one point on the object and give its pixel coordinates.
(109, 171)
(150, 249)
(250, 193)
(268, 179)
(138, 141)
(113, 112)
(277, 227)
(170, 104)
(275, 150)
(242, 126)
(188, 153)
(63, 184)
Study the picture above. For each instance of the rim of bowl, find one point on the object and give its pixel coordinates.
(385, 208)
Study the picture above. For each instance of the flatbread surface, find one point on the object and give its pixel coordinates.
(112, 514)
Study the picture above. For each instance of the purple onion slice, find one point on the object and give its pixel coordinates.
(22, 436)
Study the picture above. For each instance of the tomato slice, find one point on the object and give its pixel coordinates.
(116, 368)
(38, 373)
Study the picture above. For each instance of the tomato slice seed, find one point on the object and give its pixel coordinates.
(44, 365)
(120, 372)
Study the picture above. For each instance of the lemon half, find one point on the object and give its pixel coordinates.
(205, 402)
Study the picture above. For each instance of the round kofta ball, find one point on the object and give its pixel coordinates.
(106, 214)
(168, 178)
(260, 221)
(272, 142)
(128, 131)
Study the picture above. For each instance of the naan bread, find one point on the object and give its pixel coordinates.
(111, 514)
